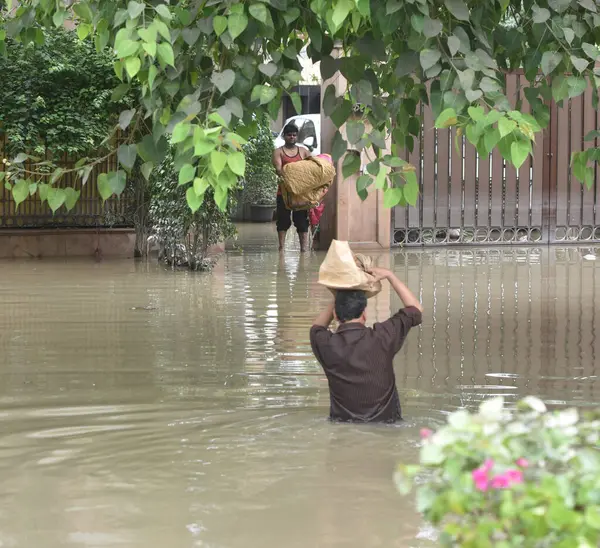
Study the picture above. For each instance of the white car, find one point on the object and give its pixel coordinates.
(309, 132)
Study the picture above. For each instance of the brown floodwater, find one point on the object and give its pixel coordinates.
(142, 407)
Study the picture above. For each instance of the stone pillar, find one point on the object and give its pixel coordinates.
(364, 224)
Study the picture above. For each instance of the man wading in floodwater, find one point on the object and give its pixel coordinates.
(358, 360)
(288, 153)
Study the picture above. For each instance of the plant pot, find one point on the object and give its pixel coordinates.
(261, 213)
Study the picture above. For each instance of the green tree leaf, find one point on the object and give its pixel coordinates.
(579, 63)
(127, 155)
(201, 185)
(263, 94)
(71, 198)
(411, 188)
(355, 130)
(340, 12)
(221, 198)
(150, 49)
(186, 174)
(181, 131)
(194, 201)
(165, 54)
(540, 15)
(446, 119)
(429, 57)
(218, 161)
(259, 12)
(350, 165)
(132, 66)
(432, 27)
(519, 151)
(20, 192)
(219, 24)
(506, 126)
(223, 81)
(56, 198)
(339, 147)
(362, 184)
(459, 9)
(392, 197)
(237, 163)
(236, 24)
(550, 61)
(135, 9)
(164, 12)
(127, 48)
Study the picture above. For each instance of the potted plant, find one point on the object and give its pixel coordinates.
(260, 185)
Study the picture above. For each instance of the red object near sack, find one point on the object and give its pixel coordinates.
(315, 214)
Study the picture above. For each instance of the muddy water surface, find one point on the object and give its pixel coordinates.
(145, 408)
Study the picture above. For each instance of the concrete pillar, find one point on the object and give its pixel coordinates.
(364, 224)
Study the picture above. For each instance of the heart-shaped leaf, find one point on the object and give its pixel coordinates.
(237, 163)
(164, 12)
(219, 24)
(259, 12)
(133, 65)
(453, 45)
(432, 27)
(165, 54)
(339, 147)
(71, 197)
(429, 57)
(235, 107)
(223, 81)
(20, 191)
(127, 155)
(186, 174)
(194, 200)
(460, 10)
(263, 94)
(127, 48)
(180, 132)
(268, 69)
(148, 35)
(56, 198)
(218, 161)
(125, 118)
(392, 197)
(150, 49)
(135, 9)
(190, 35)
(200, 185)
(550, 60)
(519, 151)
(579, 63)
(236, 24)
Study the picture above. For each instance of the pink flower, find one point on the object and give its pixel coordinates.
(522, 462)
(510, 477)
(500, 481)
(514, 476)
(488, 465)
(480, 479)
(426, 433)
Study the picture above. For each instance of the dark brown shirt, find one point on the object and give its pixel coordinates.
(358, 363)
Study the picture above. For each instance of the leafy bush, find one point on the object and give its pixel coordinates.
(261, 181)
(184, 237)
(527, 478)
(56, 95)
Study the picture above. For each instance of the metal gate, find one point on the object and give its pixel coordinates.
(468, 199)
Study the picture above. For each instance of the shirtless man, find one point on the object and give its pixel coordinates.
(288, 153)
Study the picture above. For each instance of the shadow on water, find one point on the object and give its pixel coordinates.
(142, 407)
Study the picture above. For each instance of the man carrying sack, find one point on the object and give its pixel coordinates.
(358, 360)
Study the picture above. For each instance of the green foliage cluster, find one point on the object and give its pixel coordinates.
(511, 478)
(203, 71)
(185, 237)
(260, 181)
(55, 97)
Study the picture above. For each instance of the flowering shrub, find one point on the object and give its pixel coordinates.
(506, 478)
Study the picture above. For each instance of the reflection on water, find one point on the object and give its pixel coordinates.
(142, 407)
